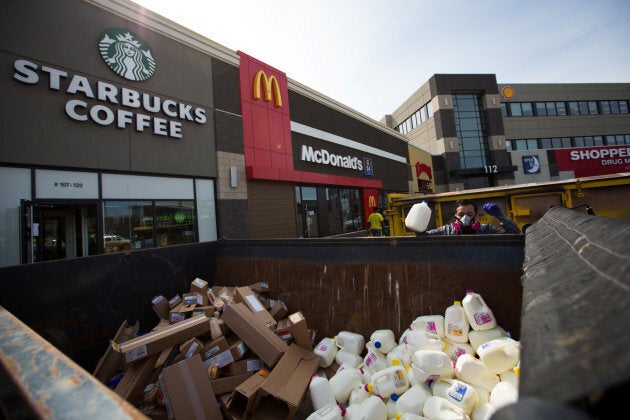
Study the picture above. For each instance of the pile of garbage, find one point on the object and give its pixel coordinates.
(237, 353)
(460, 365)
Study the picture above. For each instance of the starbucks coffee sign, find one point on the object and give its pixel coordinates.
(104, 103)
(126, 54)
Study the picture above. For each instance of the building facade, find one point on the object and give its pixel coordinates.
(484, 134)
(122, 130)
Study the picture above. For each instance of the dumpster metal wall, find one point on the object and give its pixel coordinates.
(78, 304)
(364, 284)
(356, 284)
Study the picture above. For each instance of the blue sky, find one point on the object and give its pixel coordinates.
(372, 55)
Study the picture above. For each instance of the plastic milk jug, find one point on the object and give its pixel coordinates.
(430, 323)
(374, 360)
(351, 359)
(410, 416)
(428, 365)
(343, 382)
(326, 350)
(321, 392)
(456, 324)
(483, 411)
(358, 394)
(390, 403)
(500, 355)
(459, 393)
(383, 340)
(388, 381)
(477, 338)
(472, 370)
(373, 408)
(502, 394)
(351, 342)
(413, 399)
(439, 408)
(399, 353)
(480, 316)
(328, 412)
(418, 217)
(454, 350)
(423, 340)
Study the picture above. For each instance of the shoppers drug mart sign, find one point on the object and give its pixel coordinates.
(590, 161)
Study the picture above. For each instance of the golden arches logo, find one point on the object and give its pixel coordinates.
(371, 202)
(268, 84)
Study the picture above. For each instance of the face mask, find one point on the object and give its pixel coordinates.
(466, 225)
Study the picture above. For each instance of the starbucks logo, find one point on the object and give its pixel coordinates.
(126, 54)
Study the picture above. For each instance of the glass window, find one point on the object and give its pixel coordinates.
(583, 106)
(174, 222)
(508, 145)
(541, 109)
(573, 108)
(556, 143)
(520, 144)
(414, 122)
(515, 109)
(566, 142)
(578, 141)
(423, 114)
(605, 107)
(598, 140)
(526, 108)
(623, 107)
(592, 107)
(532, 144)
(503, 110)
(588, 141)
(430, 109)
(551, 108)
(127, 225)
(610, 140)
(614, 107)
(561, 108)
(620, 139)
(545, 144)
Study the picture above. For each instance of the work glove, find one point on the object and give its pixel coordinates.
(493, 209)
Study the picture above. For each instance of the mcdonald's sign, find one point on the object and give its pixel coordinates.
(371, 202)
(268, 83)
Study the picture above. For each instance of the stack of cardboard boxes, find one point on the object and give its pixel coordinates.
(216, 352)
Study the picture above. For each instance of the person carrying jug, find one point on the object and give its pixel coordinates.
(375, 219)
(465, 222)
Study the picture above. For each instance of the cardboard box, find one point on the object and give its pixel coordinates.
(188, 393)
(244, 396)
(234, 353)
(283, 329)
(156, 341)
(261, 287)
(299, 331)
(136, 378)
(190, 347)
(242, 366)
(204, 310)
(288, 382)
(181, 312)
(214, 347)
(278, 309)
(229, 383)
(254, 332)
(195, 298)
(174, 301)
(246, 296)
(161, 306)
(110, 363)
(199, 286)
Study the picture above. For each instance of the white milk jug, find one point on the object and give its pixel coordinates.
(477, 338)
(428, 365)
(472, 370)
(328, 412)
(430, 323)
(383, 340)
(456, 324)
(351, 342)
(389, 381)
(343, 382)
(483, 411)
(320, 391)
(423, 340)
(500, 355)
(373, 408)
(418, 217)
(439, 408)
(454, 350)
(348, 358)
(502, 394)
(480, 316)
(326, 350)
(457, 392)
(413, 399)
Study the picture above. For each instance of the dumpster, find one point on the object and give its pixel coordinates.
(364, 284)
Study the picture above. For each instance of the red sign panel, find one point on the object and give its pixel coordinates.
(590, 161)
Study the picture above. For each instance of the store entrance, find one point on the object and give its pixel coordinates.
(54, 231)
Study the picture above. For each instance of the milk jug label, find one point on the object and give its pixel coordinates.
(370, 359)
(482, 318)
(457, 392)
(455, 330)
(322, 347)
(431, 327)
(459, 351)
(399, 379)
